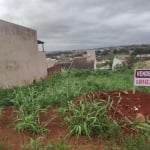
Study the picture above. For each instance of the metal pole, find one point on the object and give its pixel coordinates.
(43, 47)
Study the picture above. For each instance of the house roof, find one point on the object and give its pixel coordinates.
(143, 55)
(82, 63)
(77, 63)
(64, 65)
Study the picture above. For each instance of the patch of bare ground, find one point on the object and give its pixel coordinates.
(57, 131)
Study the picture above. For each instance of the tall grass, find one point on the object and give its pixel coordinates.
(28, 111)
(136, 143)
(65, 86)
(59, 89)
(90, 118)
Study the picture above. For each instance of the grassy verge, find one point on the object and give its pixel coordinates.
(65, 86)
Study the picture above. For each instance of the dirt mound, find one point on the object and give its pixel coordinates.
(125, 102)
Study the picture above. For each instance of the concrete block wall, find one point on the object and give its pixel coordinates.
(20, 61)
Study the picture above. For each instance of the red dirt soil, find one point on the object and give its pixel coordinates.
(125, 101)
(128, 103)
(57, 132)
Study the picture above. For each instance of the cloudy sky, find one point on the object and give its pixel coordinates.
(79, 24)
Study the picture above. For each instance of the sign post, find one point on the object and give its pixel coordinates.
(141, 78)
(134, 89)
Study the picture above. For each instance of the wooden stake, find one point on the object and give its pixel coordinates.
(134, 90)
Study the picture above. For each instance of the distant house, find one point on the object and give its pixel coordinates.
(88, 61)
(50, 62)
(82, 63)
(63, 65)
(143, 56)
(117, 62)
(20, 61)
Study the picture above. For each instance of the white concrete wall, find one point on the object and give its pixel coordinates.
(116, 62)
(50, 62)
(91, 57)
(20, 61)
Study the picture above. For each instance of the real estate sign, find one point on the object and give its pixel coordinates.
(142, 77)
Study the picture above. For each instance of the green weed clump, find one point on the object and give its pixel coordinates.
(28, 112)
(39, 144)
(136, 143)
(90, 118)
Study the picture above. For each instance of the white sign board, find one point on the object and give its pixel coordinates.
(142, 77)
